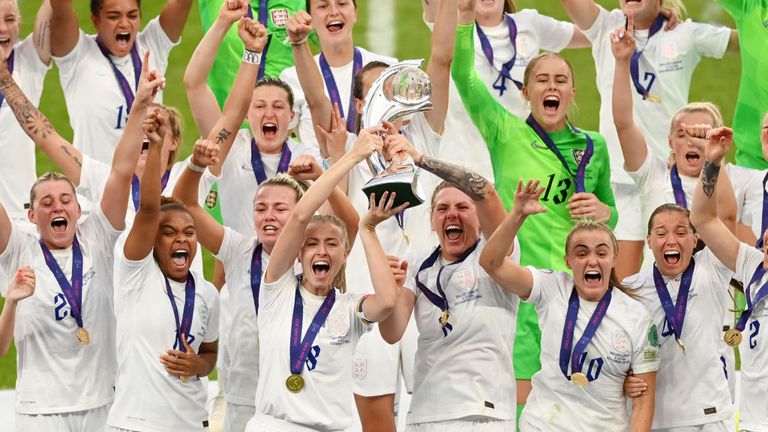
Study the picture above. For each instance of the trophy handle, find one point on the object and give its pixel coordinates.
(376, 163)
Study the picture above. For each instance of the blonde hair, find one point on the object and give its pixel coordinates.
(510, 6)
(340, 280)
(698, 107)
(48, 177)
(536, 60)
(176, 122)
(282, 179)
(677, 6)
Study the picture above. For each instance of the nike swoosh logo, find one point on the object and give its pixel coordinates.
(536, 145)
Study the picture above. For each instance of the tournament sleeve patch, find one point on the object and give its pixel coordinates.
(653, 336)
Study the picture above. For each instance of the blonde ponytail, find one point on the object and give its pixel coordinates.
(677, 6)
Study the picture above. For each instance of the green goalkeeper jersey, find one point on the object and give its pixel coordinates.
(751, 17)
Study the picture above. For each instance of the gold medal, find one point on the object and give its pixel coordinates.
(184, 378)
(83, 336)
(680, 344)
(444, 318)
(732, 337)
(579, 379)
(653, 98)
(294, 383)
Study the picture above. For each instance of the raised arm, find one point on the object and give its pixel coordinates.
(704, 211)
(41, 35)
(173, 17)
(202, 101)
(430, 9)
(583, 13)
(631, 138)
(210, 233)
(21, 286)
(114, 200)
(512, 277)
(288, 244)
(36, 126)
(141, 238)
(643, 405)
(439, 66)
(254, 36)
(65, 29)
(299, 27)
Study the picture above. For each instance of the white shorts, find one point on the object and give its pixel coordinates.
(92, 420)
(630, 225)
(470, 425)
(721, 426)
(375, 365)
(237, 417)
(265, 423)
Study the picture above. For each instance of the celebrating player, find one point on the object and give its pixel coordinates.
(306, 365)
(165, 348)
(572, 165)
(100, 74)
(661, 76)
(749, 265)
(21, 286)
(605, 332)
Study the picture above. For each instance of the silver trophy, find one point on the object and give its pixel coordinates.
(401, 90)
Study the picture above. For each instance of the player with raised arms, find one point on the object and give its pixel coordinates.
(309, 325)
(593, 331)
(572, 165)
(749, 265)
(167, 316)
(340, 60)
(506, 40)
(99, 73)
(661, 70)
(21, 286)
(65, 332)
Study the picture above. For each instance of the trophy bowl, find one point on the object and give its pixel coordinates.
(401, 90)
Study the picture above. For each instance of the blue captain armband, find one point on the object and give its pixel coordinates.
(360, 313)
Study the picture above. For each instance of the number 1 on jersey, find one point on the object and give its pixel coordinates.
(122, 116)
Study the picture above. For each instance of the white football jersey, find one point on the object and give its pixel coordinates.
(325, 399)
(146, 328)
(96, 105)
(302, 122)
(626, 339)
(462, 142)
(666, 66)
(748, 188)
(17, 166)
(238, 186)
(754, 355)
(467, 372)
(56, 373)
(698, 373)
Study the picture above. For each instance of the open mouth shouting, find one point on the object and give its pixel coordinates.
(334, 26)
(5, 44)
(269, 130)
(692, 158)
(593, 277)
(270, 229)
(551, 104)
(672, 257)
(180, 259)
(453, 232)
(321, 268)
(123, 40)
(59, 224)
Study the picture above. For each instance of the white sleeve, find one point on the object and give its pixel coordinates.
(422, 136)
(746, 263)
(554, 35)
(153, 37)
(10, 259)
(359, 327)
(130, 275)
(717, 268)
(710, 40)
(271, 291)
(93, 179)
(645, 345)
(601, 28)
(545, 285)
(97, 227)
(650, 173)
(68, 65)
(35, 65)
(414, 260)
(212, 326)
(232, 246)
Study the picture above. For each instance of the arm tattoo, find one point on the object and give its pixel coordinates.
(709, 177)
(468, 182)
(73, 156)
(34, 123)
(222, 136)
(42, 37)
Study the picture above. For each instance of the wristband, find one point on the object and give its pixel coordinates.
(251, 57)
(299, 42)
(196, 168)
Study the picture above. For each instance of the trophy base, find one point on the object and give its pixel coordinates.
(403, 187)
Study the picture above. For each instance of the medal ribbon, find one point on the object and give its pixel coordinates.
(677, 187)
(573, 354)
(73, 291)
(256, 270)
(264, 21)
(258, 166)
(634, 65)
(675, 313)
(300, 350)
(764, 221)
(9, 65)
(440, 299)
(136, 188)
(121, 80)
(761, 294)
(488, 50)
(185, 326)
(588, 152)
(333, 90)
